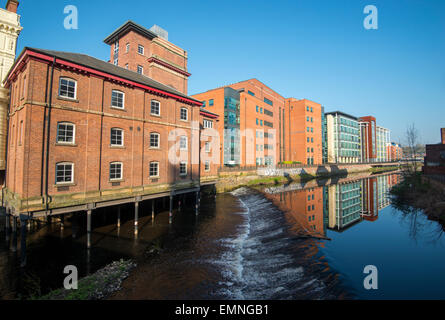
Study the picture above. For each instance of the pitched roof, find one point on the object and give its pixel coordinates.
(100, 65)
(127, 27)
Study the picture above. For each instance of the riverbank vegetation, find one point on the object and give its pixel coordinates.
(97, 286)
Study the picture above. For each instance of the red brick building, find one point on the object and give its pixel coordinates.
(435, 157)
(87, 133)
(148, 52)
(368, 138)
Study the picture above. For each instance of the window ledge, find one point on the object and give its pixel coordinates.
(154, 148)
(155, 115)
(117, 108)
(116, 180)
(117, 147)
(67, 184)
(184, 120)
(68, 99)
(65, 144)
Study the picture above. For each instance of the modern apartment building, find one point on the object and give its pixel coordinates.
(85, 133)
(343, 138)
(395, 151)
(305, 133)
(383, 141)
(368, 139)
(10, 29)
(255, 123)
(345, 205)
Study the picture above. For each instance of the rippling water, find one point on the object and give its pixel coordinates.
(300, 241)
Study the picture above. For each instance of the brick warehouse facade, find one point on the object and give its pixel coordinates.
(112, 133)
(150, 53)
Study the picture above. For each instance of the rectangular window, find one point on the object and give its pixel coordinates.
(115, 171)
(65, 132)
(208, 124)
(268, 124)
(269, 102)
(154, 140)
(126, 66)
(141, 49)
(140, 69)
(64, 173)
(183, 168)
(67, 88)
(127, 47)
(154, 169)
(269, 113)
(183, 143)
(117, 137)
(261, 122)
(207, 166)
(257, 109)
(155, 108)
(251, 93)
(184, 114)
(117, 99)
(211, 102)
(207, 146)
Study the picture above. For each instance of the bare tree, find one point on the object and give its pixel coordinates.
(412, 137)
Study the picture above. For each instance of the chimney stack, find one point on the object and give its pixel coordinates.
(442, 133)
(12, 5)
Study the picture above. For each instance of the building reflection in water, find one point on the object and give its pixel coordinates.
(311, 209)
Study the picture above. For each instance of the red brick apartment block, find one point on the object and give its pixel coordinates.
(435, 157)
(82, 131)
(304, 136)
(150, 53)
(271, 128)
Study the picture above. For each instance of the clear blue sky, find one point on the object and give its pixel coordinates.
(317, 50)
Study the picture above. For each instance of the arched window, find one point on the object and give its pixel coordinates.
(67, 88)
(155, 108)
(117, 137)
(155, 140)
(64, 172)
(184, 114)
(117, 99)
(154, 169)
(116, 171)
(66, 132)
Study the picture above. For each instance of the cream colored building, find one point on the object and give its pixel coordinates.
(9, 31)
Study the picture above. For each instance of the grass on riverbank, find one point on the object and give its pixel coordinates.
(96, 286)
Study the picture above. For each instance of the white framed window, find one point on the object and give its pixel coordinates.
(183, 168)
(183, 143)
(67, 88)
(184, 114)
(64, 172)
(116, 171)
(140, 69)
(155, 108)
(116, 47)
(66, 132)
(117, 137)
(127, 48)
(207, 166)
(116, 61)
(141, 49)
(154, 169)
(155, 140)
(208, 124)
(117, 99)
(126, 66)
(207, 146)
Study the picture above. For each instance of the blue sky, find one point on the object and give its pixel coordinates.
(317, 50)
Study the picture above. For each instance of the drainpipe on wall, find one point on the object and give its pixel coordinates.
(48, 131)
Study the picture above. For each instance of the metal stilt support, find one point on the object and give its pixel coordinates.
(89, 228)
(136, 217)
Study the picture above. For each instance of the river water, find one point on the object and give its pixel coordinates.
(299, 241)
